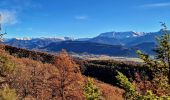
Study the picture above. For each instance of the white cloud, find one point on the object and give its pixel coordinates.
(10, 9)
(19, 5)
(8, 17)
(81, 17)
(156, 5)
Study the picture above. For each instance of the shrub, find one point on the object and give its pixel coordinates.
(91, 91)
(8, 94)
(130, 91)
(6, 66)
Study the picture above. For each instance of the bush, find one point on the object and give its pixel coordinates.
(91, 91)
(6, 66)
(130, 91)
(8, 94)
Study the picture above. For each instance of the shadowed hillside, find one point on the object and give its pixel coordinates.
(103, 70)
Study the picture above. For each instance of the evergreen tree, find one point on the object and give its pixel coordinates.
(130, 91)
(91, 91)
(132, 94)
(160, 65)
(163, 50)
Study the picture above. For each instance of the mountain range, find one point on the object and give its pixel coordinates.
(108, 43)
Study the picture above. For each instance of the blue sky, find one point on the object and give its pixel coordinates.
(81, 18)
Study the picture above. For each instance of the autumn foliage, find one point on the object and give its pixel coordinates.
(66, 84)
(27, 79)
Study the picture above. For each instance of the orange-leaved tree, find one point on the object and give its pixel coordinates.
(68, 78)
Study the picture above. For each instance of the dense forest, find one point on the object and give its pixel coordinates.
(31, 75)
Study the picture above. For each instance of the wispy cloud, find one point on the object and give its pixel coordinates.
(10, 9)
(8, 17)
(81, 17)
(19, 5)
(156, 5)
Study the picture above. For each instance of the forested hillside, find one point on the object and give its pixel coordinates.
(24, 78)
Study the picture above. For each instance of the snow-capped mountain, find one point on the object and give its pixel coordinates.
(129, 38)
(23, 38)
(121, 35)
(48, 38)
(34, 43)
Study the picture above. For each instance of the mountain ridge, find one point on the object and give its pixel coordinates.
(108, 41)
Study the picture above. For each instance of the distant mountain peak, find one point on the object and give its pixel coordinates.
(121, 35)
(23, 38)
(107, 34)
(139, 33)
(45, 38)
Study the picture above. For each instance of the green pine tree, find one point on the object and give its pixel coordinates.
(130, 91)
(132, 94)
(91, 91)
(160, 64)
(163, 50)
